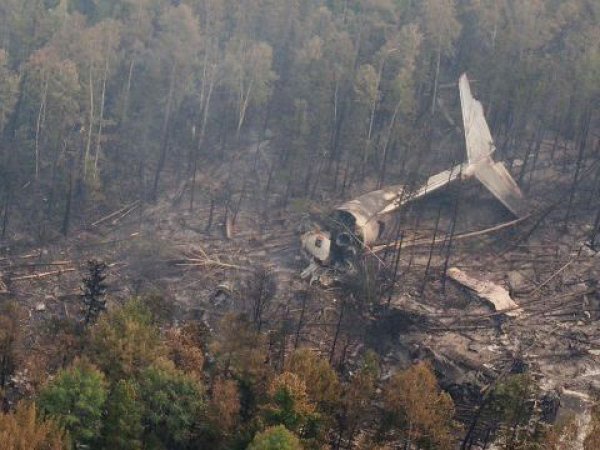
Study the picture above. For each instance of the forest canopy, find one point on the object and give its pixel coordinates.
(105, 101)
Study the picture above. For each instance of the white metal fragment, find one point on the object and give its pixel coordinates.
(496, 295)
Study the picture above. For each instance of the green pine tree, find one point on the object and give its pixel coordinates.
(275, 438)
(123, 427)
(76, 398)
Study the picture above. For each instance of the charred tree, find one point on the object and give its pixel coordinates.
(338, 328)
(431, 248)
(94, 291)
(304, 297)
(261, 291)
(581, 144)
(450, 240)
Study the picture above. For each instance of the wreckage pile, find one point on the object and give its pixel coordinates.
(498, 299)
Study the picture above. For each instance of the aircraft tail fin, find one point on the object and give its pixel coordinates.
(480, 147)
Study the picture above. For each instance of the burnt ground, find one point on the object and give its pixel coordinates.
(165, 248)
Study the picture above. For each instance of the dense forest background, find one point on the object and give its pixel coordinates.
(105, 103)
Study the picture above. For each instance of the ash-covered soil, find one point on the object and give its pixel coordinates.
(169, 249)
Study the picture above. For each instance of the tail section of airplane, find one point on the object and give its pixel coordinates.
(359, 222)
(480, 147)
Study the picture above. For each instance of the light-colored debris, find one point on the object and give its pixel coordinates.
(212, 263)
(202, 259)
(496, 295)
(37, 276)
(228, 225)
(516, 280)
(309, 271)
(317, 244)
(40, 307)
(118, 214)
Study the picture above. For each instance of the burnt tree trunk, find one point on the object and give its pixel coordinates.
(581, 144)
(431, 248)
(165, 135)
(338, 328)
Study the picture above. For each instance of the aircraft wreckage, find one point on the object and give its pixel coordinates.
(358, 224)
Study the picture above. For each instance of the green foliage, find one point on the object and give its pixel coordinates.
(123, 429)
(97, 96)
(173, 403)
(352, 83)
(52, 82)
(125, 341)
(275, 438)
(512, 397)
(358, 395)
(322, 384)
(248, 74)
(441, 24)
(240, 350)
(76, 398)
(509, 416)
(289, 404)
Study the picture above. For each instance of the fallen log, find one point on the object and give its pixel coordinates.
(125, 214)
(555, 274)
(113, 241)
(54, 263)
(457, 237)
(215, 264)
(115, 213)
(37, 276)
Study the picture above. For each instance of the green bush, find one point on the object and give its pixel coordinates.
(275, 438)
(76, 398)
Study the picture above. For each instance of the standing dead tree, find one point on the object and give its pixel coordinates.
(260, 294)
(94, 291)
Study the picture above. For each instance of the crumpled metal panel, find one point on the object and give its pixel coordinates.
(487, 290)
(367, 207)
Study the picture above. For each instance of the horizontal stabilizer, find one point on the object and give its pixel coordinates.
(498, 181)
